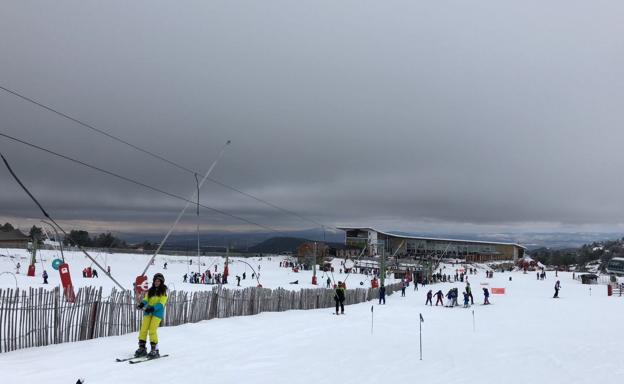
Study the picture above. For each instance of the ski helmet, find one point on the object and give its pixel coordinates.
(159, 276)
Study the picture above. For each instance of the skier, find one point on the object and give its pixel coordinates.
(449, 298)
(403, 289)
(557, 288)
(466, 300)
(153, 306)
(469, 292)
(382, 294)
(94, 273)
(486, 296)
(238, 279)
(184, 278)
(165, 266)
(108, 269)
(439, 296)
(17, 268)
(45, 277)
(339, 298)
(429, 297)
(244, 275)
(328, 282)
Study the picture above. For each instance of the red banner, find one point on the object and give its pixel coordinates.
(68, 287)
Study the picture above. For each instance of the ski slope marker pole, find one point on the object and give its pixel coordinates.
(372, 306)
(420, 325)
(473, 322)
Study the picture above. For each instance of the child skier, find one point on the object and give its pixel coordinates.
(486, 296)
(557, 288)
(153, 306)
(339, 297)
(466, 300)
(429, 297)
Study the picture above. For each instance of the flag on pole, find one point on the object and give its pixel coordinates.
(421, 319)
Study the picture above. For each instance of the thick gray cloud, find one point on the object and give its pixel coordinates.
(410, 115)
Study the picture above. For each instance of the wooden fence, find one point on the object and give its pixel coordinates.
(38, 317)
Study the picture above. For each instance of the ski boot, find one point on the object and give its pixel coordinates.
(141, 351)
(154, 351)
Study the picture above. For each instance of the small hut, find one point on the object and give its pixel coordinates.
(589, 278)
(13, 238)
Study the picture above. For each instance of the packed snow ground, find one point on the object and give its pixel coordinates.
(125, 268)
(524, 336)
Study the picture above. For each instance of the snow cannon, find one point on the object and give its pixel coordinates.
(374, 283)
(31, 270)
(314, 282)
(66, 282)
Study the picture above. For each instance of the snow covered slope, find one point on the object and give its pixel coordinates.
(524, 336)
(125, 268)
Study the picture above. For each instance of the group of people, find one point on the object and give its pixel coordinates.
(90, 272)
(205, 278)
(452, 297)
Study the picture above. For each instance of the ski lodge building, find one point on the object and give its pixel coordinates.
(14, 238)
(377, 242)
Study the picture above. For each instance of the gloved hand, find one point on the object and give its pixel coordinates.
(141, 305)
(149, 309)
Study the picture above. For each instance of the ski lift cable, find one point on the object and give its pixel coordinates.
(136, 182)
(6, 163)
(159, 157)
(360, 256)
(188, 202)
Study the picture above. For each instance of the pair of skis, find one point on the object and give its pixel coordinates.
(137, 360)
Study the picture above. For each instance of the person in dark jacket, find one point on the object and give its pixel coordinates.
(339, 297)
(382, 294)
(429, 297)
(486, 296)
(557, 288)
(469, 292)
(45, 277)
(439, 296)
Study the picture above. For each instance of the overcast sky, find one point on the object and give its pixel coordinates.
(443, 116)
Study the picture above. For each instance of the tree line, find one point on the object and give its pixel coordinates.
(597, 251)
(84, 239)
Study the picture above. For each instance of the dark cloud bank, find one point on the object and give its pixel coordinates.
(415, 116)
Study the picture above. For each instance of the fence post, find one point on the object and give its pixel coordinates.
(93, 317)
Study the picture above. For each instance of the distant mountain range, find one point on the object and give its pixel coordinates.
(290, 240)
(250, 242)
(283, 244)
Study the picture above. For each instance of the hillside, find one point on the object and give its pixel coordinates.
(284, 244)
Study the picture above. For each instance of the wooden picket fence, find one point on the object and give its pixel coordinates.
(38, 317)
